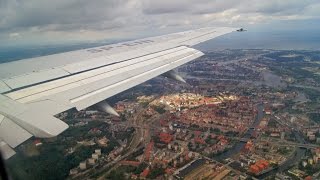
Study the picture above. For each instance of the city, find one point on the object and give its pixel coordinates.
(243, 114)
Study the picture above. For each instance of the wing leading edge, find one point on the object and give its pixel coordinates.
(34, 90)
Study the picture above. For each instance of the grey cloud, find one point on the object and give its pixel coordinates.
(184, 6)
(213, 6)
(165, 7)
(31, 13)
(113, 16)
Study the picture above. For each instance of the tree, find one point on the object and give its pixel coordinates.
(156, 172)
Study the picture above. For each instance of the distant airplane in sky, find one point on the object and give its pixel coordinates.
(34, 90)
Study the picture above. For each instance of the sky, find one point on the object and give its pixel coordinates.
(74, 21)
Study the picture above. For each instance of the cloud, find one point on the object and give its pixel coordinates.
(14, 35)
(98, 19)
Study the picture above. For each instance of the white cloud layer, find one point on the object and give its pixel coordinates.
(83, 20)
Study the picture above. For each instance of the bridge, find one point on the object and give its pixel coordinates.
(301, 145)
(285, 143)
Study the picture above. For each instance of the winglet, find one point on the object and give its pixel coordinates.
(241, 30)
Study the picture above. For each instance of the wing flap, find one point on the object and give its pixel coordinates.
(108, 91)
(70, 90)
(80, 84)
(6, 150)
(34, 77)
(40, 123)
(112, 60)
(13, 134)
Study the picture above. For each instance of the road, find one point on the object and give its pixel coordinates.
(136, 142)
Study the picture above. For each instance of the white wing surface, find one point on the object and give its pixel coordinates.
(34, 90)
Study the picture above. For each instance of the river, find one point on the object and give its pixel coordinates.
(240, 145)
(300, 152)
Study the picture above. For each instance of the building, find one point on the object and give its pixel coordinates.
(130, 163)
(103, 141)
(73, 171)
(148, 150)
(255, 169)
(83, 165)
(145, 173)
(283, 135)
(304, 163)
(91, 161)
(258, 167)
(98, 151)
(165, 137)
(95, 156)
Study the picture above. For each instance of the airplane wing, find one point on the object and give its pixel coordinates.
(34, 90)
